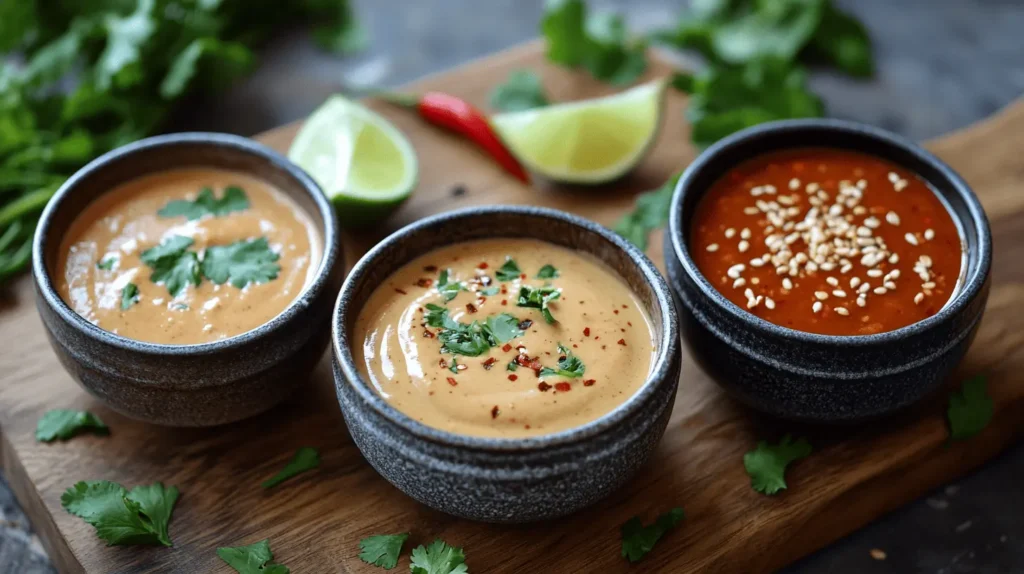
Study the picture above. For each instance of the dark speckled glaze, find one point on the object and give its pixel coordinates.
(189, 385)
(821, 378)
(508, 480)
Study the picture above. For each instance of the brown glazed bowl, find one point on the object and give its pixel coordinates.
(189, 385)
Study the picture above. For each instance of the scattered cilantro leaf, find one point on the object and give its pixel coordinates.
(569, 365)
(778, 29)
(241, 263)
(306, 458)
(437, 316)
(599, 43)
(563, 28)
(470, 340)
(503, 328)
(121, 517)
(547, 272)
(129, 296)
(454, 366)
(234, 199)
(64, 424)
(489, 291)
(970, 409)
(382, 550)
(638, 540)
(538, 298)
(253, 559)
(512, 366)
(438, 558)
(173, 264)
(649, 213)
(448, 290)
(120, 63)
(509, 271)
(521, 91)
(107, 264)
(767, 464)
(222, 61)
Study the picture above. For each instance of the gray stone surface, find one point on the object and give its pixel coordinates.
(942, 64)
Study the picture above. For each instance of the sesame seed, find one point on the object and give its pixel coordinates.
(861, 301)
(918, 298)
(827, 266)
(911, 238)
(755, 280)
(862, 184)
(768, 302)
(745, 234)
(892, 218)
(794, 184)
(929, 234)
(842, 311)
(864, 231)
(889, 285)
(839, 293)
(872, 222)
(756, 190)
(874, 272)
(756, 262)
(743, 246)
(769, 189)
(846, 268)
(893, 177)
(821, 295)
(786, 283)
(894, 274)
(751, 210)
(740, 282)
(900, 185)
(712, 248)
(928, 285)
(864, 287)
(854, 281)
(816, 307)
(880, 290)
(894, 259)
(926, 261)
(748, 293)
(735, 270)
(832, 281)
(812, 187)
(751, 303)
(729, 233)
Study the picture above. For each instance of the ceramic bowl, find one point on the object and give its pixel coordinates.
(507, 480)
(821, 378)
(189, 385)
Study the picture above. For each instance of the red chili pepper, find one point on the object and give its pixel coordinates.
(459, 116)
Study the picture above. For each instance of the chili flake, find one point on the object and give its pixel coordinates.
(512, 377)
(453, 382)
(563, 386)
(586, 331)
(494, 412)
(470, 308)
(424, 282)
(543, 387)
(489, 363)
(589, 382)
(622, 342)
(399, 291)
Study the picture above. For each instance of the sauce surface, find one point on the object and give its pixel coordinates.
(828, 241)
(599, 323)
(102, 255)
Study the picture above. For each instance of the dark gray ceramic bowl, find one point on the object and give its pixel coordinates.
(189, 385)
(820, 378)
(507, 480)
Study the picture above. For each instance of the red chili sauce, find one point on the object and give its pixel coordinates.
(828, 241)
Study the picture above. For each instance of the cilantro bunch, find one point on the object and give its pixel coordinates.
(81, 78)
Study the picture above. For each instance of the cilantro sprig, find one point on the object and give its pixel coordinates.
(547, 272)
(471, 339)
(306, 458)
(970, 409)
(63, 424)
(569, 365)
(438, 558)
(241, 263)
(539, 298)
(447, 288)
(382, 550)
(173, 264)
(205, 204)
(638, 540)
(509, 271)
(521, 91)
(129, 296)
(120, 516)
(252, 559)
(766, 464)
(598, 43)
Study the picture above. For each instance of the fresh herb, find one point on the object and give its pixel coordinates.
(598, 42)
(241, 263)
(547, 272)
(437, 316)
(970, 409)
(382, 550)
(502, 328)
(512, 366)
(122, 517)
(252, 559)
(454, 366)
(107, 264)
(173, 264)
(472, 339)
(509, 271)
(63, 424)
(638, 540)
(569, 365)
(767, 464)
(488, 291)
(129, 296)
(538, 298)
(306, 458)
(234, 199)
(438, 558)
(447, 290)
(649, 213)
(521, 91)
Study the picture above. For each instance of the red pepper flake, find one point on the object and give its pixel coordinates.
(494, 412)
(397, 290)
(504, 302)
(522, 275)
(543, 387)
(482, 265)
(512, 377)
(630, 323)
(429, 335)
(507, 347)
(430, 268)
(489, 363)
(453, 382)
(481, 300)
(622, 342)
(563, 387)
(574, 346)
(527, 427)
(597, 337)
(603, 347)
(471, 308)
(525, 324)
(442, 363)
(589, 382)
(616, 311)
(624, 307)
(504, 290)
(623, 330)
(586, 332)
(424, 282)
(525, 361)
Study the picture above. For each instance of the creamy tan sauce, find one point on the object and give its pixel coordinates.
(123, 223)
(598, 319)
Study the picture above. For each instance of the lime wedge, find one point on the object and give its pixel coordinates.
(589, 141)
(363, 163)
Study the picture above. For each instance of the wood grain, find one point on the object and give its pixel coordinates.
(315, 521)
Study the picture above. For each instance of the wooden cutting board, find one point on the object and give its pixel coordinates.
(315, 521)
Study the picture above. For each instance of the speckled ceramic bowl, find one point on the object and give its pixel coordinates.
(507, 480)
(189, 385)
(812, 377)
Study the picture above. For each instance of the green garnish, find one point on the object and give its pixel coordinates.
(454, 366)
(649, 213)
(472, 339)
(569, 365)
(638, 540)
(447, 290)
(63, 424)
(129, 296)
(173, 264)
(122, 517)
(547, 272)
(107, 264)
(521, 91)
(488, 291)
(538, 298)
(512, 366)
(438, 558)
(509, 271)
(437, 316)
(970, 409)
(241, 263)
(306, 458)
(767, 464)
(234, 199)
(252, 559)
(503, 328)
(382, 550)
(597, 42)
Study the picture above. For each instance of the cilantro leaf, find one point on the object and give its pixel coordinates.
(241, 263)
(503, 328)
(599, 42)
(64, 424)
(842, 40)
(538, 298)
(649, 213)
(437, 316)
(121, 517)
(448, 290)
(638, 540)
(306, 458)
(234, 199)
(488, 291)
(172, 264)
(509, 271)
(767, 464)
(382, 550)
(454, 366)
(563, 28)
(438, 558)
(253, 559)
(772, 29)
(512, 366)
(107, 264)
(226, 61)
(521, 91)
(470, 340)
(129, 296)
(970, 409)
(569, 365)
(547, 272)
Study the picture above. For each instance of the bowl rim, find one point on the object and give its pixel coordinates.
(974, 276)
(661, 366)
(305, 183)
